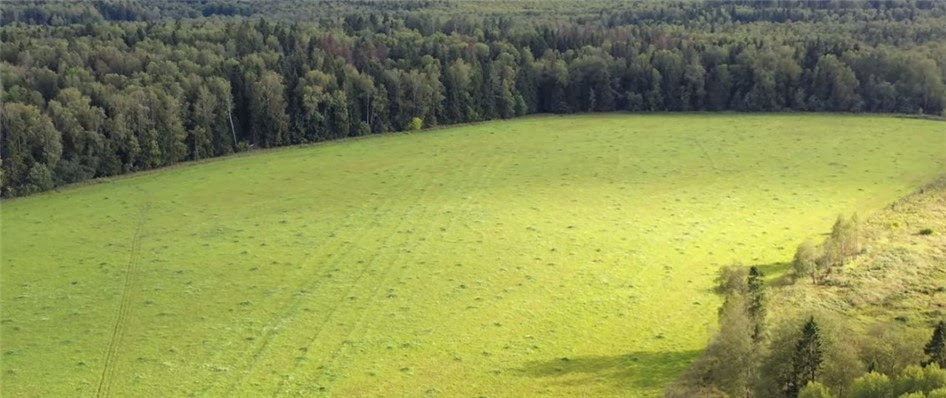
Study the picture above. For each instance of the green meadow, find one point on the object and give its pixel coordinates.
(561, 256)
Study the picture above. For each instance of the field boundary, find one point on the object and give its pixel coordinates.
(236, 155)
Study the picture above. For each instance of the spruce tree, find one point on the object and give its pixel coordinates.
(807, 359)
(936, 348)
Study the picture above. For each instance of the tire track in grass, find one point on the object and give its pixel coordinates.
(118, 330)
(328, 363)
(293, 307)
(473, 178)
(352, 287)
(316, 337)
(290, 311)
(706, 155)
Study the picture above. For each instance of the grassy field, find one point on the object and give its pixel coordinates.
(564, 256)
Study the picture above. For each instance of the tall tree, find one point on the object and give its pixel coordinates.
(807, 359)
(755, 283)
(31, 149)
(81, 126)
(834, 86)
(270, 121)
(935, 349)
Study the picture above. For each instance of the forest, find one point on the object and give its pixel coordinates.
(99, 89)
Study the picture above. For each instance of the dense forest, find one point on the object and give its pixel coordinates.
(96, 89)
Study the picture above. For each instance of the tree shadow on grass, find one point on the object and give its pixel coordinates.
(645, 370)
(777, 274)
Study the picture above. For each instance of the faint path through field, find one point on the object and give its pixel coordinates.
(118, 331)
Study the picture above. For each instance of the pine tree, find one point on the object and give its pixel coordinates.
(807, 359)
(936, 348)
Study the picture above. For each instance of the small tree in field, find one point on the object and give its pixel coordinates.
(416, 124)
(806, 260)
(935, 350)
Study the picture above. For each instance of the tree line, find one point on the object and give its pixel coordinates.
(815, 356)
(105, 88)
(801, 360)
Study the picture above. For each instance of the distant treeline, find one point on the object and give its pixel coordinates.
(94, 89)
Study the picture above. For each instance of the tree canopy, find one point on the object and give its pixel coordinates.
(94, 89)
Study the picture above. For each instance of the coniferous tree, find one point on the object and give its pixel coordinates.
(806, 362)
(756, 305)
(935, 349)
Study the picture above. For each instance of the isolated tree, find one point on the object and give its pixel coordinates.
(806, 260)
(935, 349)
(807, 359)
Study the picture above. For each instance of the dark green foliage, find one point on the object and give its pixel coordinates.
(135, 85)
(756, 303)
(807, 360)
(935, 349)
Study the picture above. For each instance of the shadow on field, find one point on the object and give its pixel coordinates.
(777, 274)
(636, 369)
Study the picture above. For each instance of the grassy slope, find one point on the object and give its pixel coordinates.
(900, 277)
(564, 255)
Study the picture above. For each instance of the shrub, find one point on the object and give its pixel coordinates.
(926, 231)
(940, 393)
(872, 385)
(416, 124)
(815, 390)
(732, 279)
(806, 260)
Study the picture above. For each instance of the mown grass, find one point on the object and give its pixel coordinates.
(544, 255)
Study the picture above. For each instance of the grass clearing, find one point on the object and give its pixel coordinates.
(543, 255)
